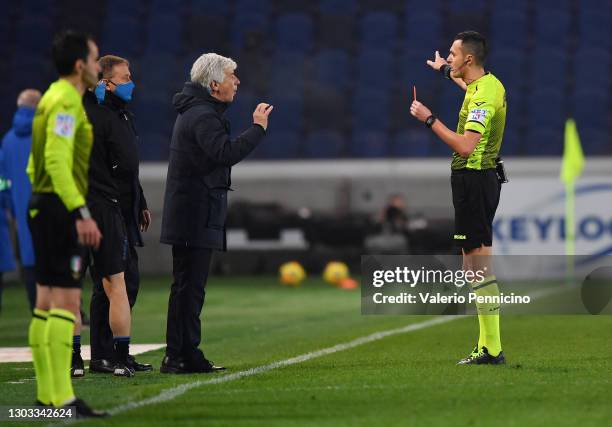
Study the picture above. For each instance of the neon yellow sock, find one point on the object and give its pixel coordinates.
(488, 315)
(40, 356)
(60, 326)
(481, 333)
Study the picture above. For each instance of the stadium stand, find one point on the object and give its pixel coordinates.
(339, 70)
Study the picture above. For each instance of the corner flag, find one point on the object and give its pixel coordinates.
(573, 158)
(571, 169)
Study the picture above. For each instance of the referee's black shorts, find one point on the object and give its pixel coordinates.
(111, 257)
(475, 198)
(59, 257)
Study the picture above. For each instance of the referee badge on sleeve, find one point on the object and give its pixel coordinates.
(64, 125)
(477, 115)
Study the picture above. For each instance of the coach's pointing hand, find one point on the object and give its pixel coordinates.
(437, 62)
(261, 113)
(419, 111)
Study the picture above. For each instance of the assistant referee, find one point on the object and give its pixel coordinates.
(475, 183)
(59, 220)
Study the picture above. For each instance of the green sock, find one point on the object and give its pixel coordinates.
(488, 315)
(40, 356)
(60, 326)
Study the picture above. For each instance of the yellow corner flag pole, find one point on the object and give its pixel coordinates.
(571, 169)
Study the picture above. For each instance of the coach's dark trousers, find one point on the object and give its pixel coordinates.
(101, 334)
(190, 267)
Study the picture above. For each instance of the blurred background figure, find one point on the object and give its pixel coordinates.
(15, 151)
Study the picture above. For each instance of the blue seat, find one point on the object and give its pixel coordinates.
(38, 8)
(294, 32)
(459, 6)
(416, 6)
(116, 8)
(164, 34)
(128, 42)
(549, 68)
(508, 29)
(604, 8)
(324, 144)
(590, 108)
(424, 33)
(328, 65)
(215, 8)
(375, 69)
(243, 25)
(547, 5)
(594, 27)
(544, 141)
(338, 7)
(412, 143)
(552, 27)
(279, 144)
(379, 30)
(512, 5)
(159, 70)
(595, 141)
(507, 65)
(592, 68)
(369, 144)
(415, 71)
(252, 6)
(371, 110)
(546, 108)
(288, 112)
(287, 74)
(34, 34)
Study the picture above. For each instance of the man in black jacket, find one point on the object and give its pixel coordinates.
(195, 203)
(116, 198)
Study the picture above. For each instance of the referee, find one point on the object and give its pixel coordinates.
(474, 181)
(59, 220)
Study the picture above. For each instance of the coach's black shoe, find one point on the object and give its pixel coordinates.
(484, 358)
(77, 368)
(205, 366)
(137, 366)
(173, 366)
(123, 370)
(84, 411)
(101, 366)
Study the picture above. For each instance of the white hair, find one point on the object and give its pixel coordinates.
(211, 67)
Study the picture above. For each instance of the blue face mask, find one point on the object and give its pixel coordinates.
(100, 91)
(124, 91)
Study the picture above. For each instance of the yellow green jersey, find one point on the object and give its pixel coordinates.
(483, 111)
(62, 138)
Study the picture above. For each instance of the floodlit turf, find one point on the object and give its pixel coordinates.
(559, 370)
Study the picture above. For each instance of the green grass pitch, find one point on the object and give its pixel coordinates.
(559, 371)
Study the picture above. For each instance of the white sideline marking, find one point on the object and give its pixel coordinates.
(23, 354)
(179, 390)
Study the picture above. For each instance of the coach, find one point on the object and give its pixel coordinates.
(195, 203)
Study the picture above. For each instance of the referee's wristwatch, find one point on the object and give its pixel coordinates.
(430, 121)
